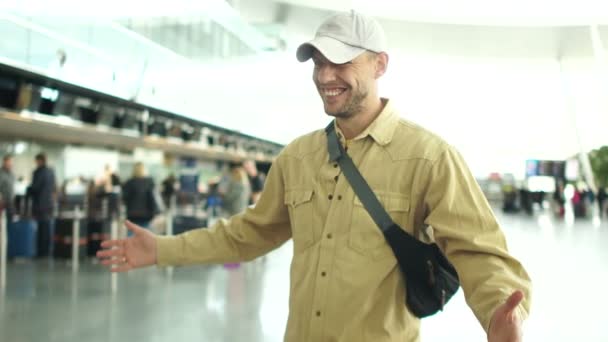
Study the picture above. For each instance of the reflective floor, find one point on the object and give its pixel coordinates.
(45, 301)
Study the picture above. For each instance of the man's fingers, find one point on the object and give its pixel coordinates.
(106, 253)
(111, 243)
(113, 261)
(514, 300)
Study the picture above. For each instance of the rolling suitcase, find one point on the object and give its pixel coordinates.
(22, 238)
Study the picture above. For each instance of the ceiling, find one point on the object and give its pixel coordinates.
(463, 12)
(475, 12)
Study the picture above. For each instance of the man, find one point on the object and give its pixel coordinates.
(345, 283)
(255, 180)
(42, 193)
(7, 186)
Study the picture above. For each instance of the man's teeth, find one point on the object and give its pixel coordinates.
(333, 92)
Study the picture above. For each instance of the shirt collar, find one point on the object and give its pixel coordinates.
(381, 129)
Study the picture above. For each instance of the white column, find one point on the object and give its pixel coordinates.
(601, 65)
(3, 245)
(169, 226)
(169, 216)
(570, 105)
(76, 239)
(114, 236)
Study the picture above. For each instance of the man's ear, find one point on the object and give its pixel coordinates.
(381, 64)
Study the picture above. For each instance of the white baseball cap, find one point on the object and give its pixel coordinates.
(344, 36)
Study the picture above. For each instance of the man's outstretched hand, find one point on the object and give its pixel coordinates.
(506, 325)
(136, 251)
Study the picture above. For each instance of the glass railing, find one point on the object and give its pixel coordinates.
(120, 55)
(87, 63)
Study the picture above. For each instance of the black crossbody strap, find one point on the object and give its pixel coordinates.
(358, 183)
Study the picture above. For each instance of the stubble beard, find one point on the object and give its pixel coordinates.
(353, 106)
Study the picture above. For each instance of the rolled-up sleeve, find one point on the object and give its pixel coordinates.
(465, 227)
(243, 237)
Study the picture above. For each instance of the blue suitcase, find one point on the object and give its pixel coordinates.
(22, 238)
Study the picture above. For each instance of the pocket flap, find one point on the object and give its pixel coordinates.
(391, 201)
(297, 197)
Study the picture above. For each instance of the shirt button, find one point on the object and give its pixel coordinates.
(329, 236)
(330, 197)
(323, 274)
(339, 197)
(336, 178)
(335, 165)
(318, 313)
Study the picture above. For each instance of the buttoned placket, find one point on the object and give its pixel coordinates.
(330, 237)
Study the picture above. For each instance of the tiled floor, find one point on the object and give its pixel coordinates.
(45, 301)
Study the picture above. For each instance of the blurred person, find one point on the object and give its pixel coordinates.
(255, 180)
(43, 194)
(169, 189)
(21, 186)
(213, 203)
(578, 201)
(138, 196)
(525, 200)
(111, 181)
(236, 196)
(96, 192)
(345, 283)
(7, 187)
(222, 184)
(559, 200)
(112, 189)
(589, 195)
(509, 194)
(601, 199)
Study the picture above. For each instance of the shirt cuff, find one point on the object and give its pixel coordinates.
(168, 250)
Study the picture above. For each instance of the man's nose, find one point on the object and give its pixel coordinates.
(326, 74)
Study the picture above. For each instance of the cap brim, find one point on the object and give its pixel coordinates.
(334, 50)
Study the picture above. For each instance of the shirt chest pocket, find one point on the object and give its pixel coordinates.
(300, 205)
(365, 237)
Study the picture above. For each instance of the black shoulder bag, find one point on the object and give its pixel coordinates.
(429, 277)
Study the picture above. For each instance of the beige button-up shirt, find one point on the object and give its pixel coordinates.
(345, 282)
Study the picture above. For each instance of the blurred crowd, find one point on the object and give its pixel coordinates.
(42, 203)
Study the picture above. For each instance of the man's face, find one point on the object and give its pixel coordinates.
(344, 87)
(7, 163)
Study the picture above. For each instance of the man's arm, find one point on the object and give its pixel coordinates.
(465, 228)
(242, 237)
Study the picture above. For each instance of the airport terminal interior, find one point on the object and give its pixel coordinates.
(173, 114)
